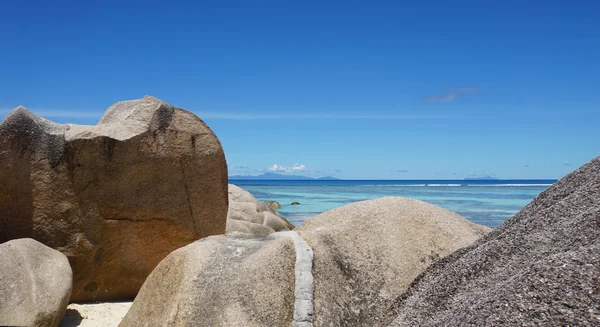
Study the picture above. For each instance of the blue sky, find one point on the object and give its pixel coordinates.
(354, 89)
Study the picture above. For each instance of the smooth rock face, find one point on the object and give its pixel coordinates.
(367, 252)
(35, 284)
(247, 215)
(220, 281)
(115, 198)
(539, 268)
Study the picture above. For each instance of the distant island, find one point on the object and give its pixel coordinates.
(273, 176)
(329, 178)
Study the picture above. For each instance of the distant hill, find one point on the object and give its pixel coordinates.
(269, 176)
(328, 178)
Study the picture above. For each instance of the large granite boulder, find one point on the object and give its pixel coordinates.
(220, 281)
(247, 215)
(116, 197)
(539, 268)
(35, 284)
(367, 252)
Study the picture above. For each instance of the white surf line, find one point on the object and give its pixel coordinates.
(303, 285)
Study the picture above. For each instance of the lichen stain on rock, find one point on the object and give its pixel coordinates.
(109, 146)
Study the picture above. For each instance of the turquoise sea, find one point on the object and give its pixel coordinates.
(486, 202)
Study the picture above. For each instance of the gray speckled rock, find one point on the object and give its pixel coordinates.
(539, 268)
(247, 215)
(116, 197)
(367, 252)
(220, 281)
(35, 284)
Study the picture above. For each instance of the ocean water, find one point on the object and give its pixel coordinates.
(481, 201)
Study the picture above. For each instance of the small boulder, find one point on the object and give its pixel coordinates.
(295, 203)
(539, 268)
(220, 281)
(273, 204)
(247, 215)
(35, 284)
(367, 252)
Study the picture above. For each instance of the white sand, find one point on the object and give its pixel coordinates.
(107, 314)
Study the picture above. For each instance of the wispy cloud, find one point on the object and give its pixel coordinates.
(451, 94)
(56, 113)
(568, 164)
(292, 116)
(230, 115)
(402, 171)
(220, 115)
(282, 169)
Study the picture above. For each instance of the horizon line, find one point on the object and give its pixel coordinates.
(414, 179)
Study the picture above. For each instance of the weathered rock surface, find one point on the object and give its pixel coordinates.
(247, 215)
(116, 197)
(220, 281)
(539, 268)
(367, 252)
(35, 284)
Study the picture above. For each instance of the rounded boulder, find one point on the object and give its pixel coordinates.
(365, 253)
(35, 284)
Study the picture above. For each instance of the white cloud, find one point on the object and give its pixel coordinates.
(283, 169)
(297, 167)
(277, 168)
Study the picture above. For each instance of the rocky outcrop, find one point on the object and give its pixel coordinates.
(367, 252)
(116, 197)
(220, 281)
(35, 284)
(539, 268)
(247, 215)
